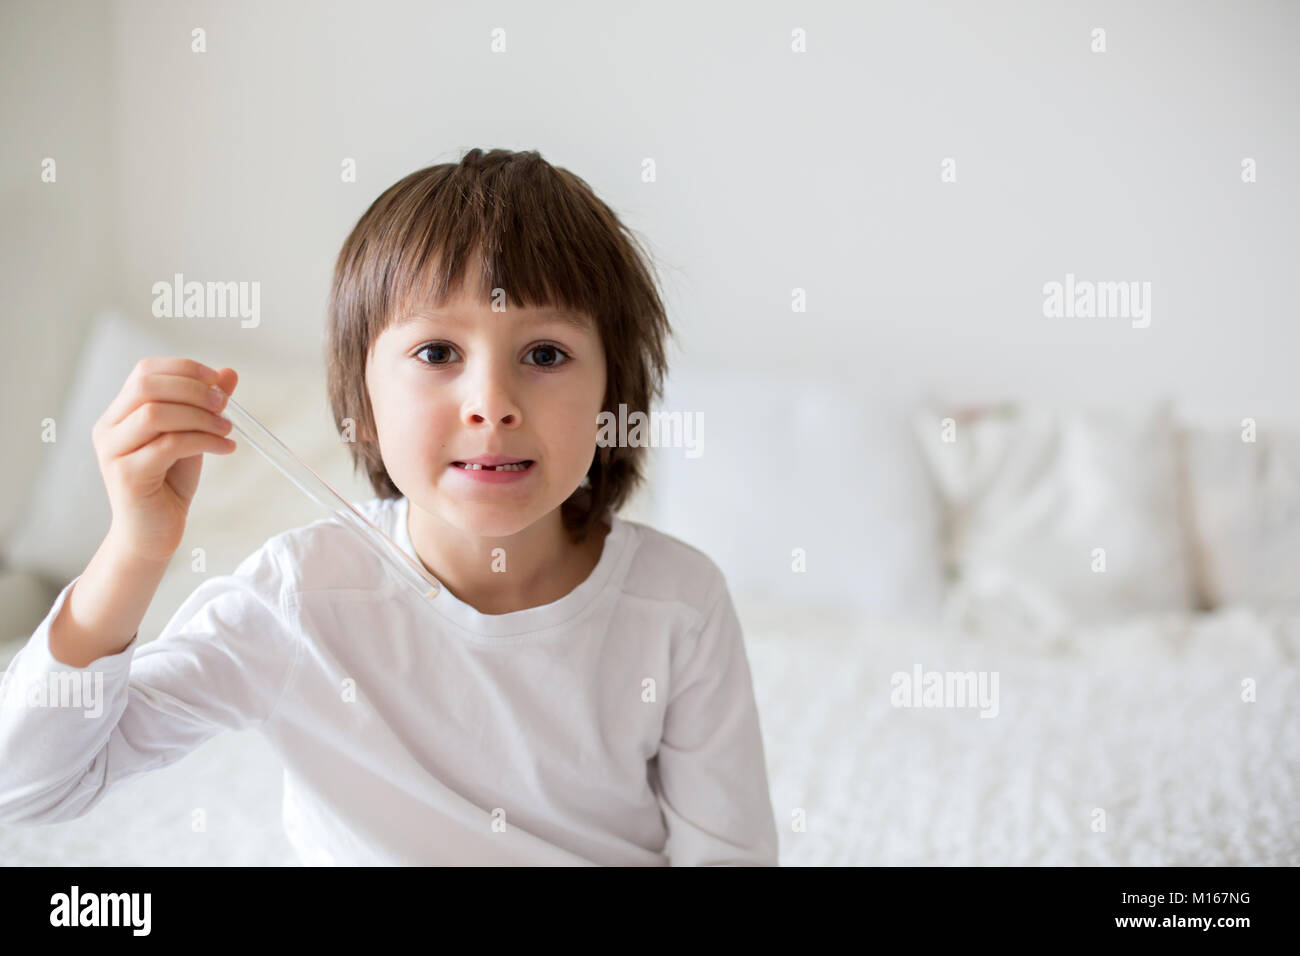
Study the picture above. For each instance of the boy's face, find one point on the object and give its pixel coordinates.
(464, 381)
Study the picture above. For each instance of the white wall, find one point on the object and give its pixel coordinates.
(775, 170)
(58, 256)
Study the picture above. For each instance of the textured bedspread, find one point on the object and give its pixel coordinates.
(1141, 728)
(1144, 723)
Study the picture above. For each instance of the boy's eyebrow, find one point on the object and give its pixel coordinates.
(573, 319)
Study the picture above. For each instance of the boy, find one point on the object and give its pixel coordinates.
(576, 693)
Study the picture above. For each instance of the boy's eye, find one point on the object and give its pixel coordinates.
(553, 362)
(438, 355)
(434, 348)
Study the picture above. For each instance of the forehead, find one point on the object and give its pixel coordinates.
(520, 316)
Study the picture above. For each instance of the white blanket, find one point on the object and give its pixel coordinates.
(1143, 721)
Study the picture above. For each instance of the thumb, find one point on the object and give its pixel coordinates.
(227, 380)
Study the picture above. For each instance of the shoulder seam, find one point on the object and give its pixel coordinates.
(710, 605)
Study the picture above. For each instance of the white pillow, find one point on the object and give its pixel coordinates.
(1245, 498)
(1030, 494)
(808, 465)
(68, 513)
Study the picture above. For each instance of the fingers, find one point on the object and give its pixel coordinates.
(228, 379)
(157, 457)
(154, 418)
(168, 380)
(168, 406)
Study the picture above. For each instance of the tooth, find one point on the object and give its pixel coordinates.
(516, 466)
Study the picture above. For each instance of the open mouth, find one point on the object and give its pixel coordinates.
(515, 466)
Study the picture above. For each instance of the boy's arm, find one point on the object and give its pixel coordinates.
(710, 774)
(68, 734)
(101, 616)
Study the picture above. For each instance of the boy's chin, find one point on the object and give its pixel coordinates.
(496, 519)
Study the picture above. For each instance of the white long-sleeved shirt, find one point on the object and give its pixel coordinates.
(614, 726)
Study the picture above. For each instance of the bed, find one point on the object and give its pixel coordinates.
(1144, 721)
(1132, 585)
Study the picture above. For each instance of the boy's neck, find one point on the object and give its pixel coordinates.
(533, 576)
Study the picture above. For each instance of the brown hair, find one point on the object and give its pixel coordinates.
(537, 230)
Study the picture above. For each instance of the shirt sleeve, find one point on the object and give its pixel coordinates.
(70, 734)
(710, 773)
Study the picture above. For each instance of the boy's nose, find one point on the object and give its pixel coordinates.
(489, 397)
(507, 419)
